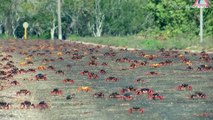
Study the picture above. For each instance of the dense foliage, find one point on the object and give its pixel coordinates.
(103, 17)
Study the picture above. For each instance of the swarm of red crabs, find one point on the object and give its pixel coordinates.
(93, 69)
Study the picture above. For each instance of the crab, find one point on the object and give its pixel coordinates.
(23, 91)
(127, 89)
(84, 88)
(155, 96)
(152, 73)
(21, 71)
(14, 82)
(92, 62)
(189, 68)
(29, 63)
(155, 65)
(150, 57)
(85, 72)
(5, 59)
(71, 96)
(136, 109)
(114, 95)
(5, 105)
(51, 68)
(60, 72)
(56, 91)
(132, 66)
(68, 81)
(198, 95)
(92, 75)
(41, 77)
(204, 68)
(31, 70)
(113, 79)
(60, 58)
(139, 80)
(98, 95)
(102, 71)
(126, 96)
(184, 87)
(41, 67)
(104, 64)
(26, 104)
(42, 105)
(3, 73)
(143, 91)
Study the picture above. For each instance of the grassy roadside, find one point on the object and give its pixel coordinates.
(139, 42)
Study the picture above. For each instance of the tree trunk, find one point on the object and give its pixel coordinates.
(52, 30)
(99, 18)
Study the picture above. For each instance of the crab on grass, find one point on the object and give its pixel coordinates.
(27, 105)
(56, 91)
(98, 95)
(136, 109)
(5, 105)
(84, 88)
(42, 105)
(184, 87)
(41, 76)
(23, 91)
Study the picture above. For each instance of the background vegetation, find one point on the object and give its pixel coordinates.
(149, 19)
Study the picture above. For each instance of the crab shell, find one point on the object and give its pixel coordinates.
(180, 87)
(59, 92)
(43, 78)
(112, 79)
(155, 97)
(140, 110)
(140, 92)
(68, 81)
(42, 106)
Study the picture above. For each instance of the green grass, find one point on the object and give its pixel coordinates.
(139, 42)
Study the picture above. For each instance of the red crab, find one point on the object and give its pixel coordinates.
(92, 75)
(184, 87)
(5, 105)
(152, 73)
(139, 80)
(21, 71)
(42, 105)
(155, 96)
(14, 82)
(26, 104)
(114, 95)
(127, 89)
(23, 91)
(198, 95)
(136, 109)
(92, 62)
(60, 72)
(51, 68)
(98, 95)
(104, 64)
(84, 72)
(126, 96)
(144, 91)
(41, 77)
(113, 79)
(56, 91)
(68, 81)
(31, 70)
(102, 71)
